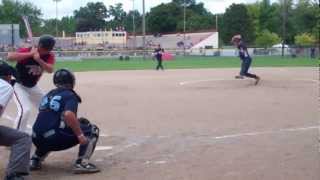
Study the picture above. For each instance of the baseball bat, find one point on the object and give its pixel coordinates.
(28, 28)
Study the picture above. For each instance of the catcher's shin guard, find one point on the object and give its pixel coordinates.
(87, 150)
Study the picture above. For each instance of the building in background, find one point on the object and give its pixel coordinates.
(102, 38)
(196, 40)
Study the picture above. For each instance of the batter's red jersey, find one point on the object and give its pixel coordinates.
(29, 71)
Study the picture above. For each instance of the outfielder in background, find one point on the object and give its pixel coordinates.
(31, 63)
(158, 55)
(19, 142)
(57, 127)
(245, 58)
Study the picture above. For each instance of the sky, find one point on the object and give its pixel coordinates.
(66, 7)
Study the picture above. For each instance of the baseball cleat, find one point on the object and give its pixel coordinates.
(257, 80)
(239, 77)
(85, 168)
(35, 164)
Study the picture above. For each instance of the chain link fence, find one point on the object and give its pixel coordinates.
(305, 52)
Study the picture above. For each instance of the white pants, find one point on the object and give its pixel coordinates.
(26, 99)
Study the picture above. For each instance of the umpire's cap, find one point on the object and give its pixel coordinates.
(6, 69)
(47, 42)
(64, 78)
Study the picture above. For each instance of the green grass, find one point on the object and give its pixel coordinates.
(183, 63)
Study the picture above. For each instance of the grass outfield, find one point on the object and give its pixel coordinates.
(183, 63)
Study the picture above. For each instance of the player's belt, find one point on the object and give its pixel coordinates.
(46, 134)
(50, 132)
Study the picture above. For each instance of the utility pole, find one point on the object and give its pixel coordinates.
(133, 26)
(217, 25)
(319, 35)
(57, 33)
(284, 26)
(184, 27)
(217, 28)
(144, 29)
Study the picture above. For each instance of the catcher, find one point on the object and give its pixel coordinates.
(58, 128)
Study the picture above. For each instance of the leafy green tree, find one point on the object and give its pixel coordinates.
(68, 25)
(49, 26)
(164, 18)
(11, 12)
(287, 7)
(128, 21)
(304, 16)
(91, 17)
(118, 16)
(254, 13)
(264, 15)
(236, 20)
(267, 39)
(305, 39)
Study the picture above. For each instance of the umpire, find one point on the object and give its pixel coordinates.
(158, 55)
(19, 142)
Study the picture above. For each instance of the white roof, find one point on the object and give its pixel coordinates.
(280, 46)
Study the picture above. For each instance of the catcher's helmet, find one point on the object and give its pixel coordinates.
(64, 78)
(47, 42)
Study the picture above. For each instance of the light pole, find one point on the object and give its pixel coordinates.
(133, 26)
(184, 27)
(284, 30)
(217, 25)
(56, 16)
(217, 28)
(144, 29)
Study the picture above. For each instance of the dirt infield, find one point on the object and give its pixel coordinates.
(196, 125)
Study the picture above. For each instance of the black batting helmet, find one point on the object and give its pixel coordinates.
(6, 69)
(47, 42)
(64, 78)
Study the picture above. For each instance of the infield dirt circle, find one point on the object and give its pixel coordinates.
(195, 125)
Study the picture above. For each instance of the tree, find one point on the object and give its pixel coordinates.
(236, 20)
(11, 12)
(68, 25)
(304, 16)
(305, 39)
(316, 29)
(164, 18)
(168, 17)
(48, 26)
(264, 15)
(128, 24)
(267, 39)
(181, 3)
(286, 8)
(118, 16)
(91, 17)
(254, 13)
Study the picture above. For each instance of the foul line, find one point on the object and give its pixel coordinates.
(205, 80)
(217, 80)
(266, 132)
